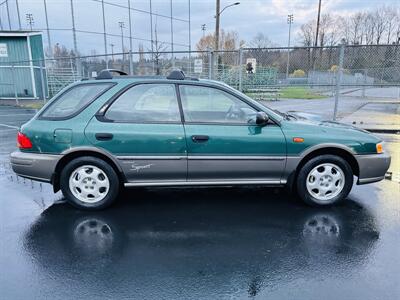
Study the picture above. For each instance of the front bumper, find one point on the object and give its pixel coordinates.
(36, 166)
(372, 167)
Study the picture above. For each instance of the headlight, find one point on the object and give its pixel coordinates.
(379, 148)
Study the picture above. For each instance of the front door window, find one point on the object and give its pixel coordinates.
(209, 105)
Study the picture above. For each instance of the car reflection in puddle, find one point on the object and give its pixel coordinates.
(217, 241)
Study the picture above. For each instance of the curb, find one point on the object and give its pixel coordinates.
(389, 131)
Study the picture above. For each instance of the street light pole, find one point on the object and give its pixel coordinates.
(289, 21)
(218, 13)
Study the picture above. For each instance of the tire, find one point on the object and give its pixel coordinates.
(324, 180)
(89, 183)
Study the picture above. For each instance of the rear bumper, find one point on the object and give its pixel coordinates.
(35, 166)
(372, 167)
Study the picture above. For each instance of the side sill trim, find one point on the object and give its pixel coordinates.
(195, 183)
(202, 157)
(236, 157)
(152, 157)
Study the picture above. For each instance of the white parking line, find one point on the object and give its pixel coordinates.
(9, 126)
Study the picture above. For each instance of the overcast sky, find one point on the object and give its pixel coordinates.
(248, 18)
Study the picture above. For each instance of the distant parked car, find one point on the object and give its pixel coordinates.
(96, 136)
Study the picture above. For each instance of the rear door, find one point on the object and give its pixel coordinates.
(224, 143)
(143, 129)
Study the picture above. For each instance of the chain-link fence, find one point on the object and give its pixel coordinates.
(259, 71)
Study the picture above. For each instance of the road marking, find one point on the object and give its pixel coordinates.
(9, 126)
(12, 115)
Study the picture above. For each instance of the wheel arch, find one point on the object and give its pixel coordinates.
(340, 151)
(85, 151)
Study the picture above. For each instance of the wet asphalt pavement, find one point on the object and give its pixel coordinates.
(199, 243)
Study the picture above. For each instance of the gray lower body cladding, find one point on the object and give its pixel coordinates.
(37, 166)
(41, 167)
(372, 167)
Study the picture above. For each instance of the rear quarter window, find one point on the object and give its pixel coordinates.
(74, 100)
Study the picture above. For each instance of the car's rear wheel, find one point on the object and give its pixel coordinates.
(89, 183)
(324, 180)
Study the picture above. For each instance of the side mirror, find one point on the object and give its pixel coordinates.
(261, 118)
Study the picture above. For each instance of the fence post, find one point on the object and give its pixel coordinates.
(364, 83)
(15, 85)
(42, 81)
(240, 69)
(130, 63)
(338, 79)
(210, 64)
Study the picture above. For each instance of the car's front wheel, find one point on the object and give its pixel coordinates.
(324, 180)
(89, 183)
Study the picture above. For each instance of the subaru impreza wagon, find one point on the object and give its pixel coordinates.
(99, 135)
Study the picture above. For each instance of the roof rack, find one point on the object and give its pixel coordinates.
(107, 73)
(176, 75)
(179, 75)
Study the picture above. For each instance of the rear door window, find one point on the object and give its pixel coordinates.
(146, 103)
(74, 100)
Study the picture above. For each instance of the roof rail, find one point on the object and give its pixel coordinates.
(107, 73)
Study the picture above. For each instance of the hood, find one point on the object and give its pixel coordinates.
(322, 121)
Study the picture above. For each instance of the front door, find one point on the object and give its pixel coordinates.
(143, 129)
(223, 141)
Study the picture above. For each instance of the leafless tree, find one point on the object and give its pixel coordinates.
(260, 41)
(158, 52)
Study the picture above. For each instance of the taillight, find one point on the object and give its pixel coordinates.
(23, 142)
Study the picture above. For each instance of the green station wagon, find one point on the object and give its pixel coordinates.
(99, 135)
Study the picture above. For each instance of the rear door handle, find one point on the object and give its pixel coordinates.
(200, 138)
(103, 136)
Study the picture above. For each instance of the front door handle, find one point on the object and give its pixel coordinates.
(200, 138)
(103, 136)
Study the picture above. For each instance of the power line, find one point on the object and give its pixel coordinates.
(142, 11)
(109, 34)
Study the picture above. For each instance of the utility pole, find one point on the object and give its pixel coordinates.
(122, 26)
(316, 34)
(172, 36)
(8, 15)
(318, 19)
(47, 29)
(104, 32)
(217, 14)
(30, 21)
(78, 64)
(203, 28)
(190, 43)
(130, 39)
(112, 52)
(289, 21)
(19, 16)
(151, 34)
